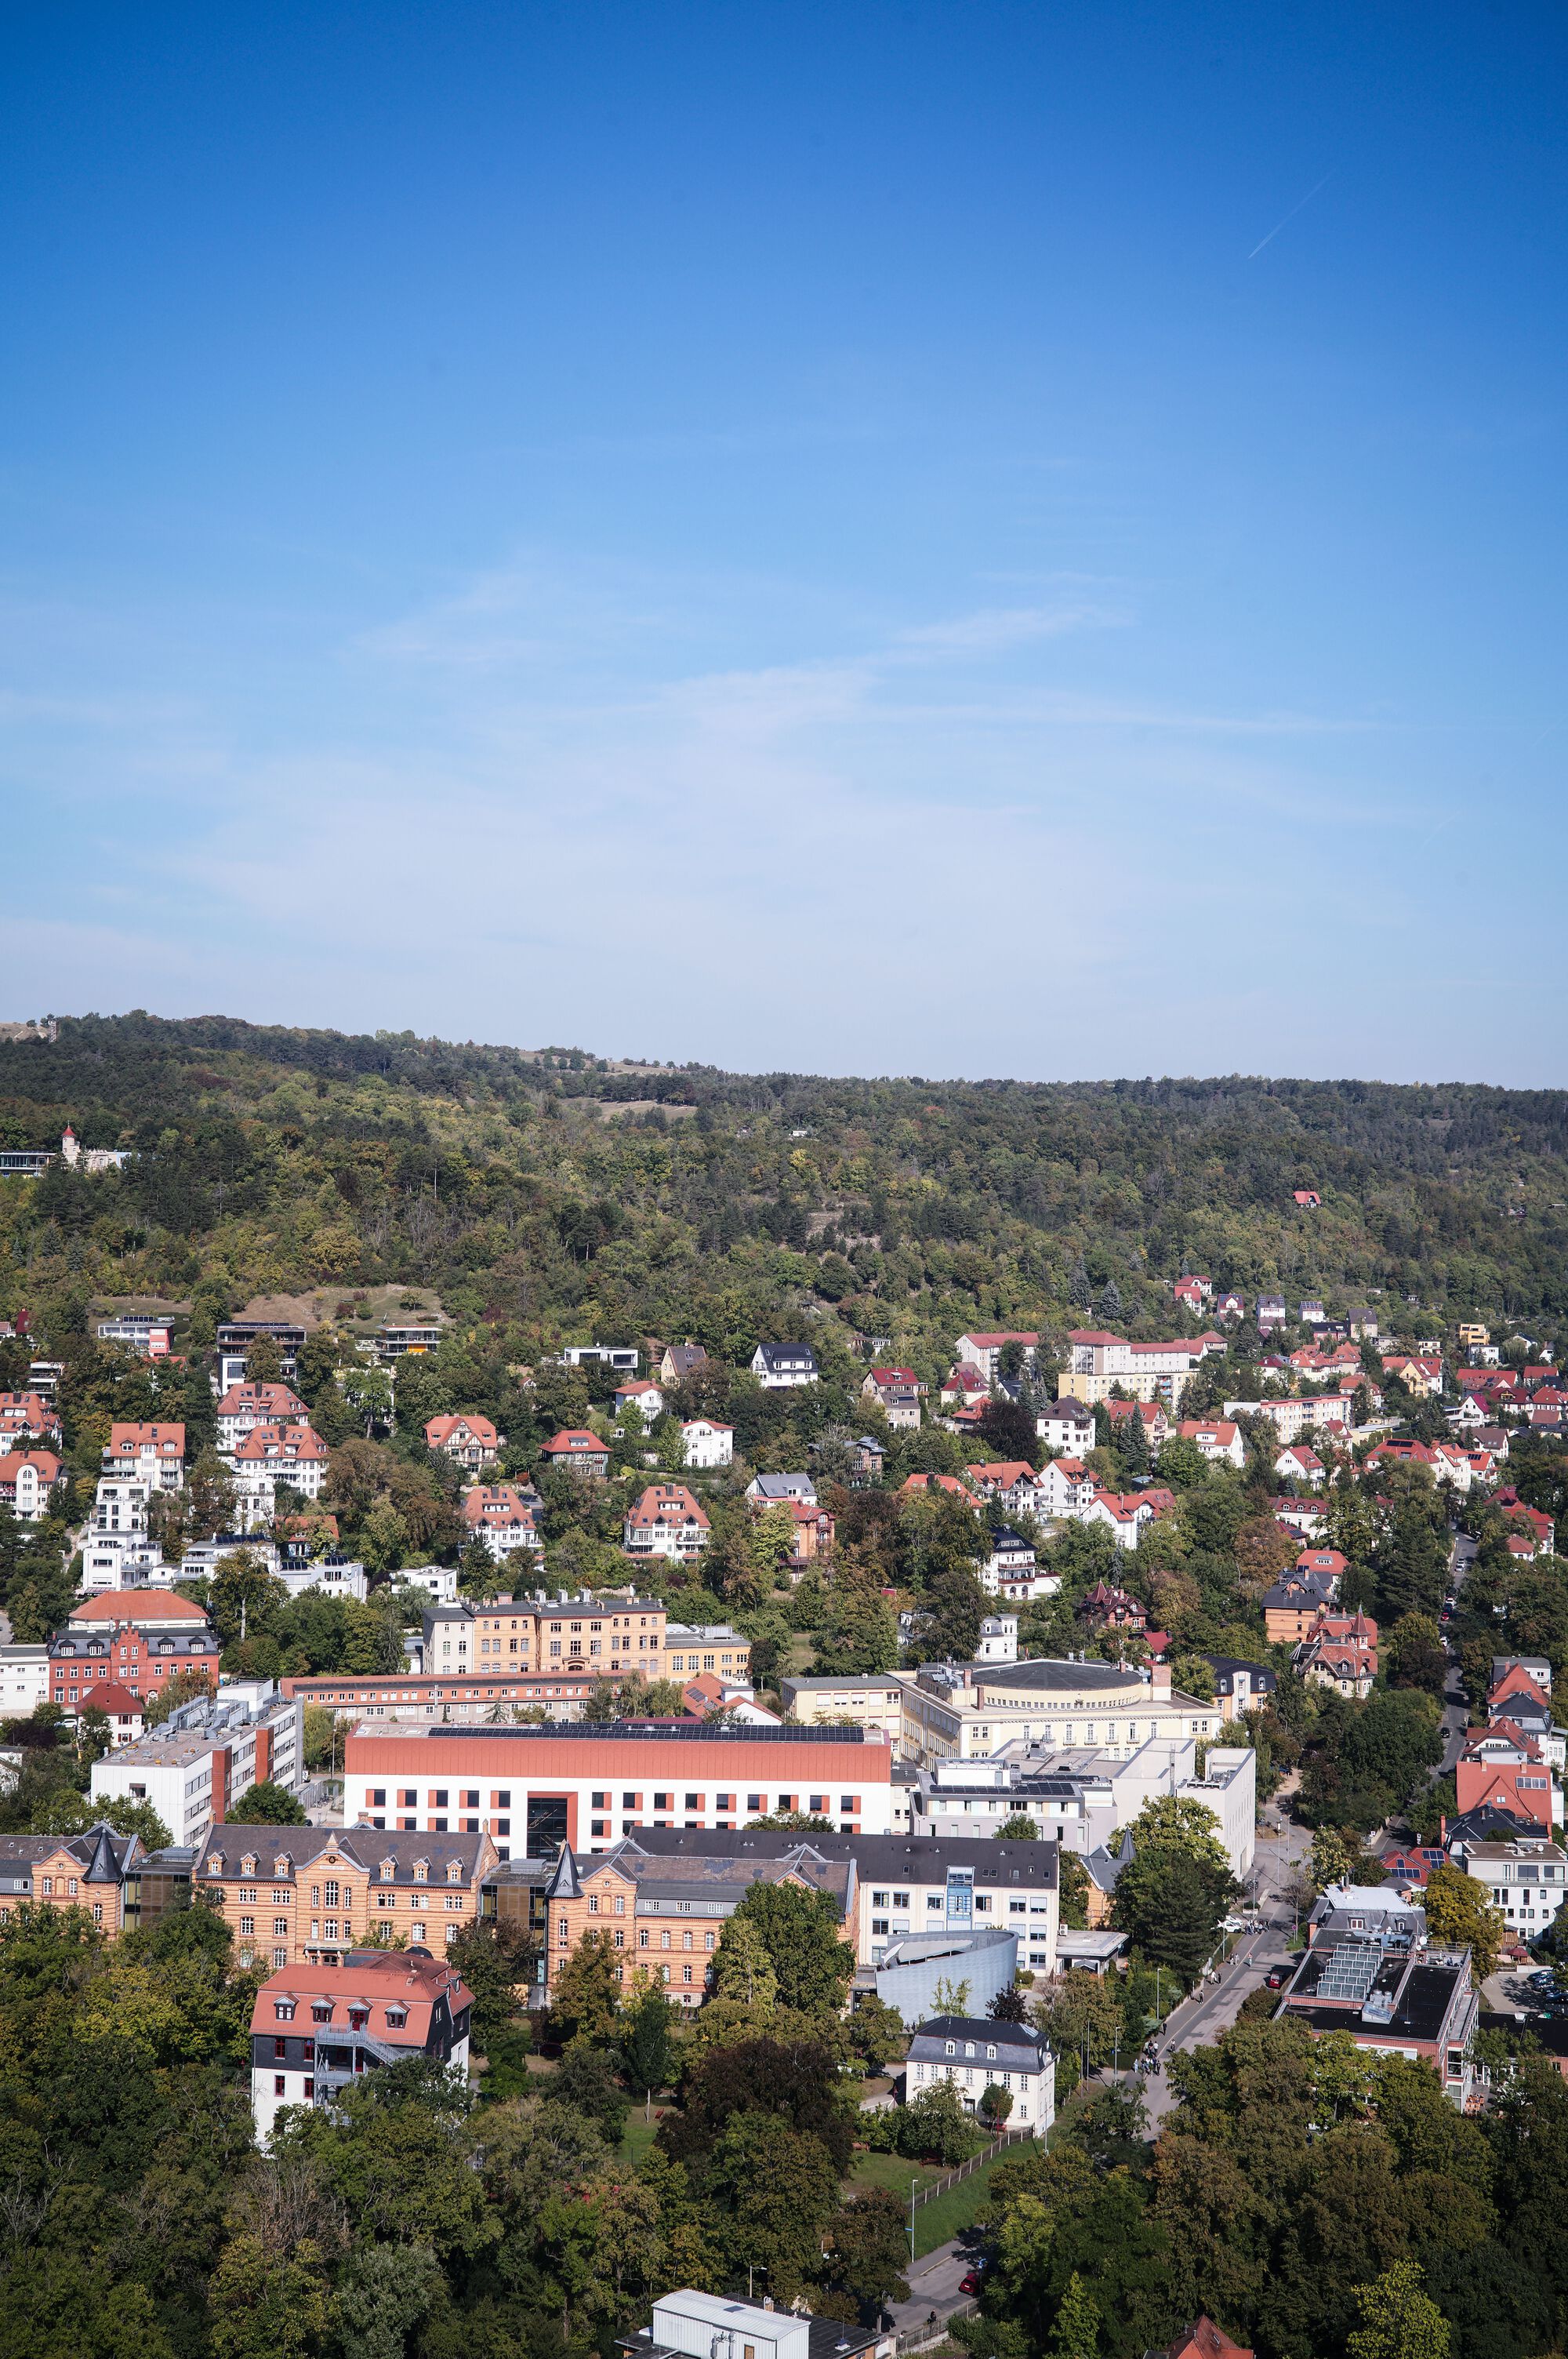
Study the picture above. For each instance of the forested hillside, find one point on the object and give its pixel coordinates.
(559, 1195)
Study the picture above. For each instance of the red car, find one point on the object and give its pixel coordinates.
(970, 2284)
(1275, 1980)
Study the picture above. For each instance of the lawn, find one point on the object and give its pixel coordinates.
(640, 2135)
(944, 2216)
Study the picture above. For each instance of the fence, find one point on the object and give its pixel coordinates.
(967, 2170)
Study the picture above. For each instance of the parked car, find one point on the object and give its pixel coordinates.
(970, 2283)
(1276, 1980)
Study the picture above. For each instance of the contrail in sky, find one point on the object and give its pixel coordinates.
(1295, 209)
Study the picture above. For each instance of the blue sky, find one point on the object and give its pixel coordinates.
(959, 538)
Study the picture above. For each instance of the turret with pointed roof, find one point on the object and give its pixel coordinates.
(564, 1884)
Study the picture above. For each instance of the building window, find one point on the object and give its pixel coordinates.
(279, 2085)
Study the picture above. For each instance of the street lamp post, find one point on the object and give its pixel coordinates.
(913, 2185)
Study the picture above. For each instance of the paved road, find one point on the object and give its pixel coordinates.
(1198, 2021)
(934, 2283)
(1455, 1709)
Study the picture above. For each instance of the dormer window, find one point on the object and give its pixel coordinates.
(421, 1871)
(248, 1864)
(321, 2010)
(388, 1870)
(396, 2016)
(284, 2009)
(215, 1863)
(991, 2054)
(358, 2017)
(454, 1871)
(968, 2047)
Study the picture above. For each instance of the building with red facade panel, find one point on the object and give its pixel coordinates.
(532, 1789)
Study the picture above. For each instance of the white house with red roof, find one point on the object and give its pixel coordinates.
(319, 2029)
(1066, 1486)
(983, 1350)
(497, 1514)
(150, 1453)
(26, 1418)
(244, 1407)
(28, 1481)
(1219, 1438)
(665, 1521)
(965, 1386)
(642, 1395)
(705, 1444)
(1193, 1293)
(1124, 1514)
(271, 1455)
(466, 1437)
(1011, 1482)
(1300, 1463)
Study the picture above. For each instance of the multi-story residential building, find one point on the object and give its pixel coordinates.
(504, 1517)
(695, 1649)
(28, 1421)
(665, 1521)
(1065, 1487)
(576, 1448)
(1301, 1465)
(868, 1700)
(29, 1480)
(1012, 1483)
(207, 1753)
(113, 1876)
(137, 1638)
(334, 1576)
(316, 2033)
(1148, 1414)
(153, 1454)
(1013, 1571)
(244, 1407)
(1303, 1413)
(1339, 1651)
(705, 1444)
(1080, 1796)
(623, 1359)
(965, 1711)
(1100, 1362)
(680, 1360)
(780, 1366)
(24, 1679)
(1526, 1880)
(644, 1395)
(146, 1332)
(974, 2053)
(998, 1641)
(1271, 1313)
(561, 1784)
(271, 1457)
(898, 1392)
(1240, 1685)
(1295, 1602)
(237, 1337)
(296, 1896)
(469, 1439)
(407, 1342)
(984, 1350)
(1219, 1440)
(765, 1491)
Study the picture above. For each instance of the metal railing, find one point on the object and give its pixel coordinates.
(967, 2169)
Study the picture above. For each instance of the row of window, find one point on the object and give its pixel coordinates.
(644, 1939)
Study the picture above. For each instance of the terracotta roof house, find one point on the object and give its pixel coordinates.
(575, 1447)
